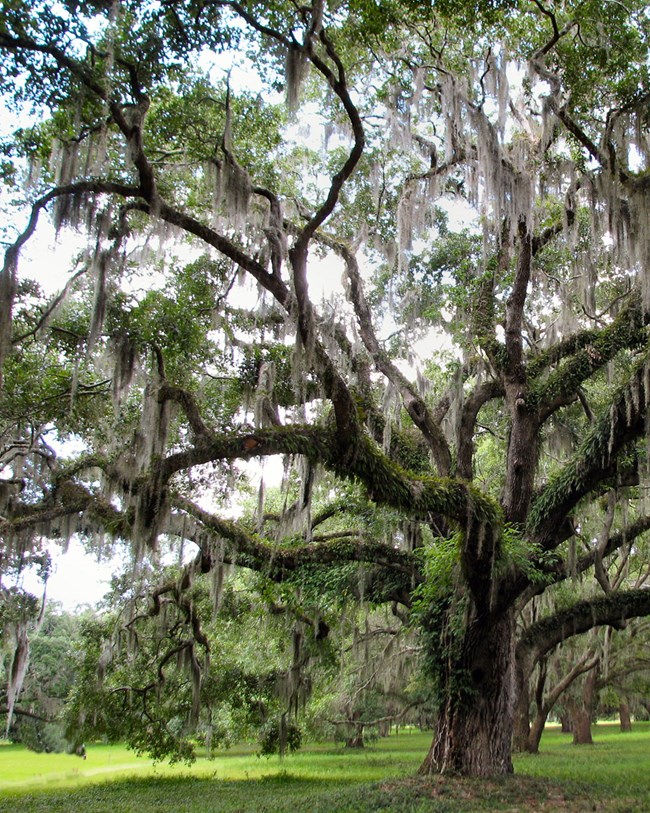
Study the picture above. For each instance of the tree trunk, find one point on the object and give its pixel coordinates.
(624, 715)
(536, 731)
(522, 711)
(583, 710)
(473, 735)
(356, 740)
(566, 725)
(582, 726)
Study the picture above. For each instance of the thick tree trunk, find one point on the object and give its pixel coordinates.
(582, 726)
(566, 725)
(624, 715)
(473, 734)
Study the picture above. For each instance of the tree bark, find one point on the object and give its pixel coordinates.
(624, 715)
(522, 711)
(582, 710)
(566, 725)
(582, 726)
(356, 739)
(473, 734)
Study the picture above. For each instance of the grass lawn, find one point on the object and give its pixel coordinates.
(613, 776)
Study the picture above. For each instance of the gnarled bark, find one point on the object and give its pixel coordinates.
(474, 726)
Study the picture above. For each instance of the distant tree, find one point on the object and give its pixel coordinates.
(371, 684)
(38, 718)
(526, 121)
(139, 680)
(21, 616)
(546, 674)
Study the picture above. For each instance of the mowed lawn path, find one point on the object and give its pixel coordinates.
(613, 776)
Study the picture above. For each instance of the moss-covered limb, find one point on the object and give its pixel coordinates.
(333, 509)
(415, 406)
(595, 461)
(67, 499)
(613, 609)
(329, 511)
(564, 382)
(386, 482)
(277, 561)
(316, 443)
(389, 484)
(598, 345)
(551, 232)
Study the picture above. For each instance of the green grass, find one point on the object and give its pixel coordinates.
(613, 776)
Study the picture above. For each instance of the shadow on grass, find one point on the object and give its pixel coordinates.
(286, 793)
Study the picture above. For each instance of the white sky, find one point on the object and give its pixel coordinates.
(77, 579)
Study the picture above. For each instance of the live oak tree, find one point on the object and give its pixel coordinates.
(135, 681)
(525, 121)
(37, 720)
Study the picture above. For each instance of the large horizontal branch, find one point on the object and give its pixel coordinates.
(585, 354)
(611, 610)
(252, 550)
(386, 482)
(67, 499)
(595, 461)
(559, 571)
(538, 363)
